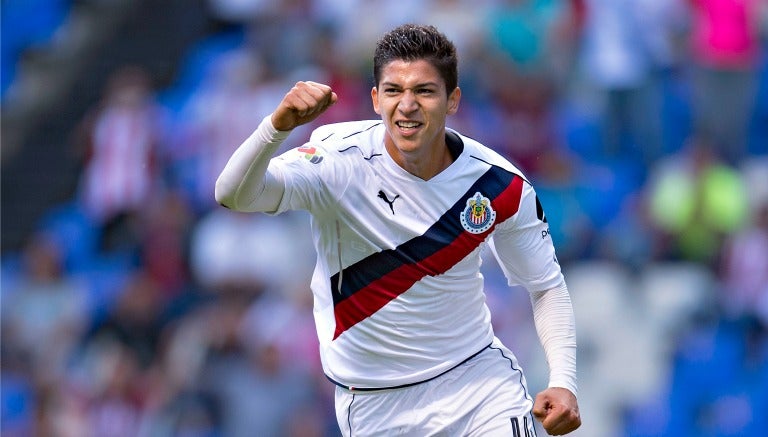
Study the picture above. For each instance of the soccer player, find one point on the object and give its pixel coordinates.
(401, 208)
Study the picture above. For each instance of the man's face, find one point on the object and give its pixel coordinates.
(412, 101)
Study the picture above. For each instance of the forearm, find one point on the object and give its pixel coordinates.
(242, 185)
(555, 325)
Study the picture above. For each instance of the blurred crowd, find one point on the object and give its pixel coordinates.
(142, 308)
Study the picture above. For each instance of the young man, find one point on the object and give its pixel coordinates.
(401, 208)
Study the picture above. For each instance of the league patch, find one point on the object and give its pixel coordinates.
(478, 216)
(311, 154)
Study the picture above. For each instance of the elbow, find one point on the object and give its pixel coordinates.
(224, 195)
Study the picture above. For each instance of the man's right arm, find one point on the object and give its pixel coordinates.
(245, 184)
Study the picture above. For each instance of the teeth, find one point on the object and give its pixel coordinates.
(407, 123)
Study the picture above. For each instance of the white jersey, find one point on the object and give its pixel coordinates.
(398, 294)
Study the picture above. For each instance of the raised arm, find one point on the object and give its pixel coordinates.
(245, 184)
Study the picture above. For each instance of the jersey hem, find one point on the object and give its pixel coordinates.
(410, 384)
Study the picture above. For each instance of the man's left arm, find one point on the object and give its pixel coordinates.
(556, 407)
(525, 251)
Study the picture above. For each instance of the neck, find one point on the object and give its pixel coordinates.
(424, 163)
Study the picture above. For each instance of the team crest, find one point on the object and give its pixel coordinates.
(478, 216)
(311, 154)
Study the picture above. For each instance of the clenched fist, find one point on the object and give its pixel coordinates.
(557, 410)
(302, 104)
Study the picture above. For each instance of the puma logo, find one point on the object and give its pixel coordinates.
(383, 196)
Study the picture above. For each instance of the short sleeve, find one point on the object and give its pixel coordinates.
(524, 249)
(307, 173)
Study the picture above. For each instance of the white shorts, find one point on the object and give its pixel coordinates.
(484, 396)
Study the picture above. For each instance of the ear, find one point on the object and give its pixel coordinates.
(453, 101)
(375, 99)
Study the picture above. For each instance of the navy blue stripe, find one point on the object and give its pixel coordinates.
(439, 235)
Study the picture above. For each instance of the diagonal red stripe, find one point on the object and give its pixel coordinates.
(378, 293)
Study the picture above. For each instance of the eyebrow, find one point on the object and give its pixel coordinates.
(418, 85)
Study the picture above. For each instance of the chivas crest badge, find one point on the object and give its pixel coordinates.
(478, 216)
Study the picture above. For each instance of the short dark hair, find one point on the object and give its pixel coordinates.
(411, 42)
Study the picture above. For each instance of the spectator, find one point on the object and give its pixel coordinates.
(745, 269)
(121, 138)
(45, 313)
(725, 50)
(522, 37)
(135, 319)
(115, 405)
(696, 201)
(166, 225)
(617, 79)
(258, 389)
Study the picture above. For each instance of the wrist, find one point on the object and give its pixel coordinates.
(276, 125)
(268, 133)
(568, 385)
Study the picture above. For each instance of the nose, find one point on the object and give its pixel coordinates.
(407, 102)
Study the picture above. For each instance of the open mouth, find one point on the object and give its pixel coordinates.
(408, 125)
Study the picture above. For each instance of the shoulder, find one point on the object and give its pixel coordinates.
(337, 145)
(478, 151)
(338, 138)
(349, 131)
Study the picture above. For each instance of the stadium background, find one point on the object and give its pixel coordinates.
(132, 305)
